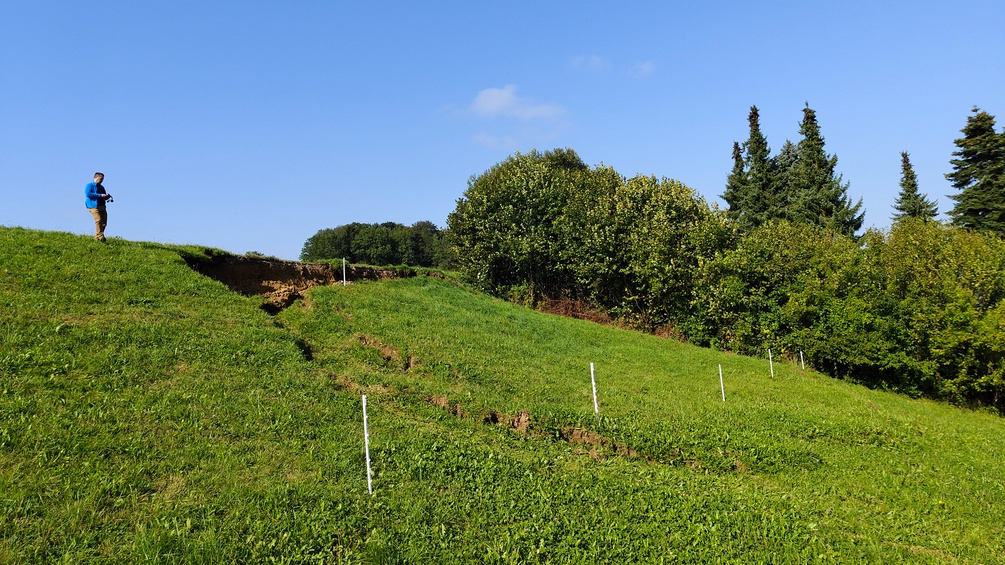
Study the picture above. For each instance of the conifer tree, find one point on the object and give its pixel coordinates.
(761, 176)
(911, 204)
(816, 195)
(782, 164)
(979, 175)
(751, 190)
(736, 185)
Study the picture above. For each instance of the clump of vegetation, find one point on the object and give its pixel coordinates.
(916, 309)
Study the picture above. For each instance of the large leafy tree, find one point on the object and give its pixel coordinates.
(979, 175)
(506, 225)
(545, 226)
(950, 301)
(667, 232)
(592, 236)
(752, 188)
(816, 194)
(910, 203)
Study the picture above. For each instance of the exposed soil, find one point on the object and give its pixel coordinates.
(389, 353)
(444, 403)
(521, 422)
(574, 309)
(283, 282)
(594, 444)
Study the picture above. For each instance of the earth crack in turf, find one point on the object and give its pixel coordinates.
(283, 282)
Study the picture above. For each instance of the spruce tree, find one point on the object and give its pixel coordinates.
(816, 195)
(782, 164)
(760, 175)
(751, 191)
(979, 175)
(911, 204)
(736, 185)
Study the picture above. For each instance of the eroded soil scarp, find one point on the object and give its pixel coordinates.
(283, 282)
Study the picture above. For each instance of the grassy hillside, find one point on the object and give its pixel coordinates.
(147, 413)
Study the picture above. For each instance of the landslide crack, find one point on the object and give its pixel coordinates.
(282, 282)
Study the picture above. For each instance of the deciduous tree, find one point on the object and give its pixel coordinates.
(506, 226)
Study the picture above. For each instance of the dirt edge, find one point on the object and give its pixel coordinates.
(283, 282)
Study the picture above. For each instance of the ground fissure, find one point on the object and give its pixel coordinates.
(283, 282)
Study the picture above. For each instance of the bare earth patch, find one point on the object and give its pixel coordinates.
(283, 282)
(574, 309)
(596, 445)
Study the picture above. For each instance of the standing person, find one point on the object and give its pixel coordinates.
(94, 198)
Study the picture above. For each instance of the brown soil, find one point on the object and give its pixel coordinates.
(389, 353)
(521, 422)
(574, 309)
(283, 282)
(444, 403)
(440, 401)
(594, 444)
(386, 351)
(578, 435)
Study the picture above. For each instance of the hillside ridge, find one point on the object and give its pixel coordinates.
(151, 413)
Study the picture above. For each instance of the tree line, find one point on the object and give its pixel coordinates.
(800, 184)
(420, 245)
(919, 308)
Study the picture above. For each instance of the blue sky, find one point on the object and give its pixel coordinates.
(249, 126)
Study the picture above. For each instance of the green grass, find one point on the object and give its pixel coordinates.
(148, 414)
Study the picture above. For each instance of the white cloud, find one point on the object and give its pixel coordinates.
(598, 64)
(642, 69)
(593, 63)
(493, 142)
(493, 102)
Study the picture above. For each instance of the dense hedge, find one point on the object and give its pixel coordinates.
(919, 309)
(544, 225)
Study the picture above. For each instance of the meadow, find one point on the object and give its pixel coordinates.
(150, 414)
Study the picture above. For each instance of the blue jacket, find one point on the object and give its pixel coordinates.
(94, 195)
